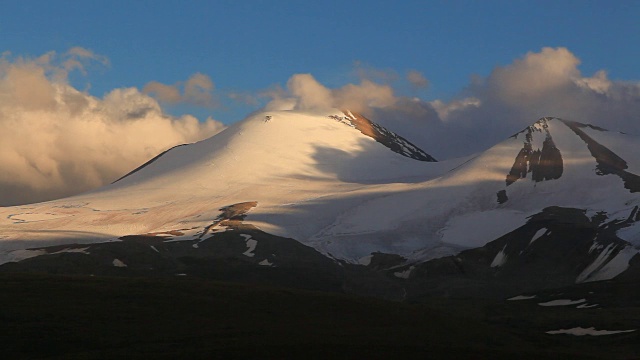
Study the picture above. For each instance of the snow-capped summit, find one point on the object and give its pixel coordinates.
(281, 159)
(281, 143)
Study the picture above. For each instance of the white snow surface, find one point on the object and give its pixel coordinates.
(118, 263)
(19, 255)
(500, 259)
(328, 186)
(607, 266)
(403, 274)
(537, 235)
(562, 302)
(251, 245)
(586, 306)
(265, 262)
(365, 260)
(580, 331)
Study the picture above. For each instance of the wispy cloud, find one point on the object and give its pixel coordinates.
(197, 90)
(417, 80)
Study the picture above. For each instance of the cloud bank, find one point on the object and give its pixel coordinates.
(488, 110)
(304, 92)
(57, 141)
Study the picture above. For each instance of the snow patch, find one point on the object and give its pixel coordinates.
(521, 297)
(19, 255)
(404, 274)
(537, 235)
(71, 250)
(365, 260)
(586, 306)
(251, 245)
(615, 266)
(562, 302)
(118, 263)
(501, 258)
(595, 246)
(604, 267)
(580, 331)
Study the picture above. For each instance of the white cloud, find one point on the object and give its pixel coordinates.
(304, 92)
(527, 80)
(197, 90)
(309, 92)
(444, 109)
(545, 83)
(487, 111)
(417, 80)
(56, 140)
(599, 83)
(166, 93)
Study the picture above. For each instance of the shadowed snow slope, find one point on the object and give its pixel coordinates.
(321, 179)
(547, 164)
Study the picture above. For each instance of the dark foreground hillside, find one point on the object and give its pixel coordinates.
(62, 317)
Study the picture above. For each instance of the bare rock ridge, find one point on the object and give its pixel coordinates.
(393, 141)
(609, 163)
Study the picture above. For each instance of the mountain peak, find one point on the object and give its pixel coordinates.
(285, 141)
(544, 161)
(544, 122)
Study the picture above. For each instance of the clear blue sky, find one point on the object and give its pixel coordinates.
(251, 45)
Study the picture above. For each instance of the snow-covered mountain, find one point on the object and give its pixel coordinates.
(548, 164)
(282, 160)
(358, 193)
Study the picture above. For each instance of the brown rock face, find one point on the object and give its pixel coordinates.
(545, 164)
(393, 141)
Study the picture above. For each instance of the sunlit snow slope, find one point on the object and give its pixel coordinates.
(301, 168)
(347, 187)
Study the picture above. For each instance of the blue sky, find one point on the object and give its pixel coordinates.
(248, 46)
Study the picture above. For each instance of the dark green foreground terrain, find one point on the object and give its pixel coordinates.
(82, 317)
